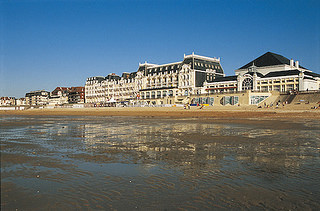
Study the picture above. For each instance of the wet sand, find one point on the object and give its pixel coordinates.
(287, 112)
(158, 163)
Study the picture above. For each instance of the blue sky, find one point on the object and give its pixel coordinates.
(50, 43)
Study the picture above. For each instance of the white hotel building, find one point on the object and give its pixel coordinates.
(173, 82)
(202, 76)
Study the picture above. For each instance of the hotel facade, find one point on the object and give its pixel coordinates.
(163, 84)
(200, 79)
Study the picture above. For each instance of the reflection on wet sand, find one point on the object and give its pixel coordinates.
(158, 163)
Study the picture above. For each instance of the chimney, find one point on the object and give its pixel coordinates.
(297, 64)
(291, 63)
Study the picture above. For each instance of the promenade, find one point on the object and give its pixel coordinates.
(303, 111)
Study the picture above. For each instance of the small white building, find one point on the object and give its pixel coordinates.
(7, 101)
(21, 101)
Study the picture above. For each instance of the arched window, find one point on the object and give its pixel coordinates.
(247, 84)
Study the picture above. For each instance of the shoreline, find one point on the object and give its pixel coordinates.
(244, 112)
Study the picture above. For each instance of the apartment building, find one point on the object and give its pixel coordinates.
(37, 98)
(65, 95)
(76, 95)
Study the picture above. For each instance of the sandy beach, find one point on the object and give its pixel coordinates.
(61, 162)
(302, 111)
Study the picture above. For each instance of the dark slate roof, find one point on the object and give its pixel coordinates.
(308, 77)
(312, 74)
(227, 78)
(188, 61)
(112, 77)
(98, 78)
(141, 68)
(125, 75)
(128, 75)
(258, 74)
(133, 75)
(268, 59)
(282, 73)
(163, 68)
(204, 63)
(270, 75)
(37, 93)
